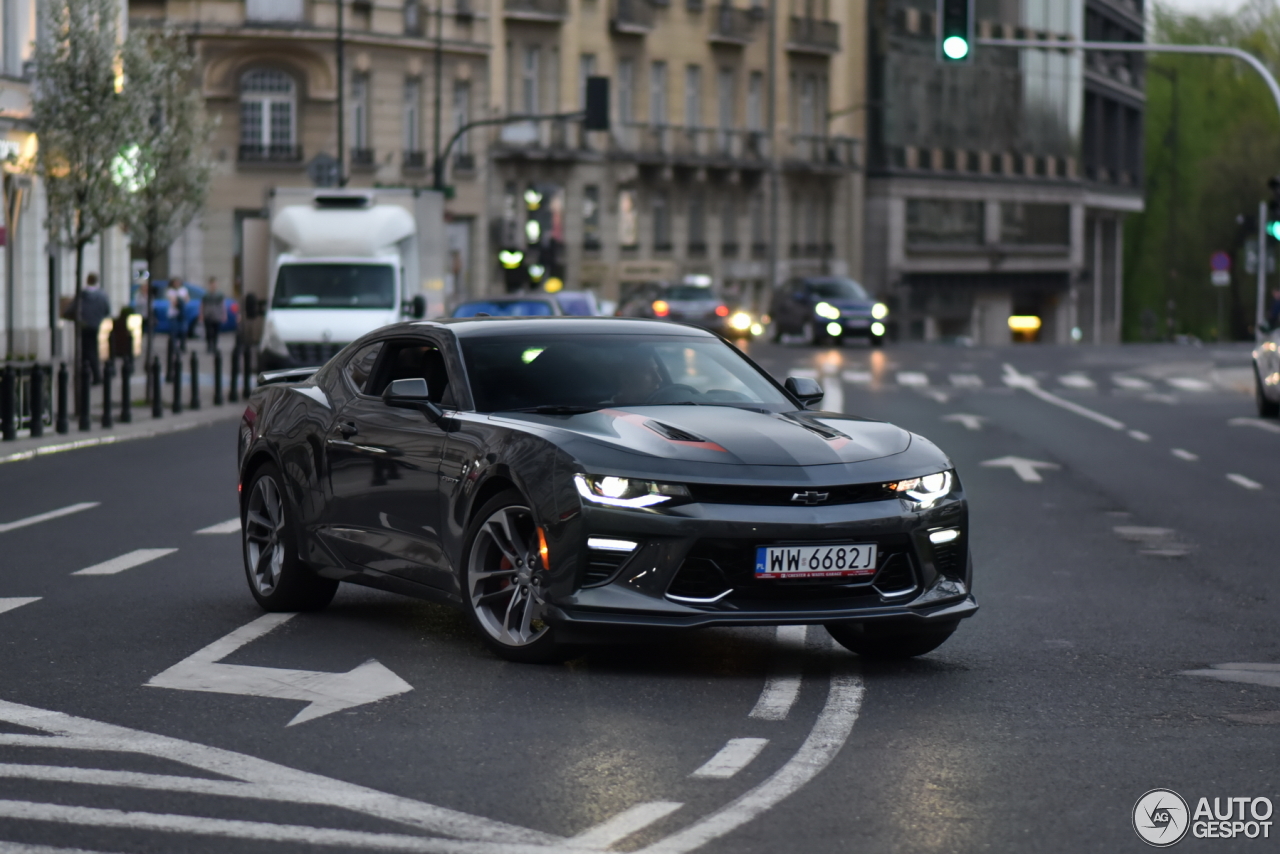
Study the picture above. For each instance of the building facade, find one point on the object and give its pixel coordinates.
(997, 188)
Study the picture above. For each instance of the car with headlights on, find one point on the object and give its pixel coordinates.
(693, 302)
(568, 480)
(827, 308)
(1266, 375)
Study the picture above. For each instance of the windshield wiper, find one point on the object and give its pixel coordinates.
(555, 409)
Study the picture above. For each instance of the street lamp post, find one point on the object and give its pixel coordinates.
(342, 101)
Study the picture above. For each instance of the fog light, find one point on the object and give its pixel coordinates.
(757, 329)
(834, 329)
(946, 535)
(877, 329)
(605, 544)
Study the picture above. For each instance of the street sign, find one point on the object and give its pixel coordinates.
(1220, 278)
(1220, 262)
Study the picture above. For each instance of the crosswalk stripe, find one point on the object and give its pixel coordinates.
(966, 381)
(1189, 384)
(10, 604)
(125, 561)
(913, 378)
(1131, 383)
(857, 377)
(1076, 381)
(804, 373)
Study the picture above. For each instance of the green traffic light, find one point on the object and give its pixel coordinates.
(1273, 228)
(955, 47)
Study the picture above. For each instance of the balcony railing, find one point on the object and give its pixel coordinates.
(362, 157)
(415, 160)
(813, 35)
(730, 25)
(253, 153)
(837, 152)
(540, 134)
(703, 145)
(536, 10)
(633, 17)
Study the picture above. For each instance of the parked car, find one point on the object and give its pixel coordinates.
(1266, 375)
(515, 306)
(827, 308)
(578, 303)
(190, 312)
(694, 304)
(671, 483)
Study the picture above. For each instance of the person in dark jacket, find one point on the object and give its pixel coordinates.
(93, 308)
(213, 310)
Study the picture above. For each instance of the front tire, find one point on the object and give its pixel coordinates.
(891, 642)
(503, 585)
(277, 577)
(1266, 408)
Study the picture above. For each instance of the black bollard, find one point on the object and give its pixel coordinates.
(126, 390)
(37, 400)
(157, 389)
(108, 374)
(195, 379)
(60, 424)
(8, 404)
(247, 355)
(177, 386)
(84, 398)
(217, 377)
(235, 374)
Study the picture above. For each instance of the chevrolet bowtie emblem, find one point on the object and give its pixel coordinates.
(810, 497)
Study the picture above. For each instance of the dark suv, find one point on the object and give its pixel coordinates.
(827, 308)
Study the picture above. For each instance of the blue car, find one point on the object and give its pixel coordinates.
(190, 312)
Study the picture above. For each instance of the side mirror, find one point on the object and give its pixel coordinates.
(251, 307)
(412, 394)
(419, 307)
(805, 389)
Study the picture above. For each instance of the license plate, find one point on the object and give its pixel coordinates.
(815, 561)
(856, 322)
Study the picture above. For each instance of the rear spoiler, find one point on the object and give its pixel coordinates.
(288, 375)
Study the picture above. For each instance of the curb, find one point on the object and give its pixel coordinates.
(28, 449)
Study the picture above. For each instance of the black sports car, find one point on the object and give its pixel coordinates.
(566, 478)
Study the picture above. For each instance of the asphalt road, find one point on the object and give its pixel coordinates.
(1142, 548)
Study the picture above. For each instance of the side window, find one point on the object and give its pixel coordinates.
(360, 365)
(411, 360)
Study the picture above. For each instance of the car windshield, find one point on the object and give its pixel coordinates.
(690, 293)
(505, 308)
(586, 372)
(335, 286)
(837, 289)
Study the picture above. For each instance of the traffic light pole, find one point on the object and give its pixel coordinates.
(1261, 316)
(438, 168)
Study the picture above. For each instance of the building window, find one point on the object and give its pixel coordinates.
(944, 221)
(661, 222)
(591, 217)
(755, 101)
(808, 105)
(724, 99)
(697, 224)
(628, 232)
(1035, 224)
(529, 79)
(658, 94)
(268, 102)
(626, 92)
(693, 96)
(273, 11)
(413, 17)
(412, 115)
(759, 231)
(728, 225)
(359, 117)
(461, 115)
(586, 69)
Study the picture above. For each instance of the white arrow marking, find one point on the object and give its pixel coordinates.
(970, 422)
(1023, 468)
(45, 517)
(1257, 674)
(325, 692)
(1255, 422)
(10, 604)
(231, 526)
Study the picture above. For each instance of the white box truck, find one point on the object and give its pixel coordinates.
(330, 265)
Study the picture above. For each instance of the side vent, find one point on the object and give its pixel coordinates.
(675, 434)
(604, 558)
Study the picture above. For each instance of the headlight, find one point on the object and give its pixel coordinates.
(879, 311)
(927, 490)
(827, 310)
(271, 339)
(626, 492)
(740, 321)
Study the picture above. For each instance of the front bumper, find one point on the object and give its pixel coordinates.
(854, 327)
(693, 566)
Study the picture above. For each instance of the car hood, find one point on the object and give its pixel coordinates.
(725, 435)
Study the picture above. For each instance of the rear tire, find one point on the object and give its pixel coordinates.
(1266, 408)
(277, 577)
(890, 642)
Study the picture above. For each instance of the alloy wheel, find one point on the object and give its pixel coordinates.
(263, 539)
(503, 580)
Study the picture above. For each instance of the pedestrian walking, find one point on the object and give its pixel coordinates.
(213, 311)
(178, 296)
(92, 308)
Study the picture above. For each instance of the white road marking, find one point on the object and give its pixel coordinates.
(832, 395)
(1190, 384)
(1184, 455)
(1269, 426)
(913, 378)
(125, 561)
(732, 758)
(857, 377)
(15, 848)
(45, 517)
(1131, 383)
(1262, 673)
(804, 373)
(1013, 379)
(844, 702)
(966, 381)
(1076, 381)
(1023, 468)
(1139, 435)
(1139, 533)
(623, 825)
(970, 422)
(10, 604)
(1156, 397)
(267, 780)
(934, 394)
(231, 526)
(783, 685)
(1241, 480)
(325, 692)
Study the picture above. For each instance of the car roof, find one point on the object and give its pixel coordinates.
(530, 298)
(480, 327)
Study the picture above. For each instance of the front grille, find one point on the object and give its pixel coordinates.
(311, 354)
(858, 493)
(895, 576)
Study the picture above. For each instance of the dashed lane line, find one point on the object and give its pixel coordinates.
(783, 685)
(18, 602)
(1131, 383)
(1139, 436)
(1014, 379)
(732, 758)
(832, 394)
(45, 517)
(231, 526)
(116, 565)
(1241, 480)
(1079, 381)
(1269, 426)
(622, 825)
(1185, 455)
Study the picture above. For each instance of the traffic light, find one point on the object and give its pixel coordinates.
(955, 30)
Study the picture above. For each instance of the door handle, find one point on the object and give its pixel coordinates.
(348, 429)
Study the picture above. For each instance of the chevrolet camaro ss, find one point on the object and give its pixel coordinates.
(568, 480)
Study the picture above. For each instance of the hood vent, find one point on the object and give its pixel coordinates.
(675, 434)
